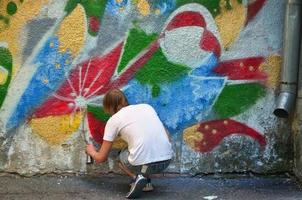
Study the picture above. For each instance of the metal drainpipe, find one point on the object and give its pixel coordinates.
(291, 53)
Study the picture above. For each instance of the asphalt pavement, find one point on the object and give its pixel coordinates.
(172, 187)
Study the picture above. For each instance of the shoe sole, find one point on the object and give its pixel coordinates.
(145, 189)
(137, 191)
(148, 190)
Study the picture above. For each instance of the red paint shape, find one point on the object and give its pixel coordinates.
(187, 18)
(215, 131)
(53, 106)
(86, 79)
(210, 43)
(242, 69)
(253, 9)
(94, 24)
(101, 71)
(96, 128)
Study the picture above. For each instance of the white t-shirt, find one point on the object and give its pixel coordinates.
(143, 131)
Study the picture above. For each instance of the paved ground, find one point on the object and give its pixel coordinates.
(112, 187)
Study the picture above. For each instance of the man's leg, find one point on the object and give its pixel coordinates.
(149, 187)
(125, 166)
(126, 170)
(139, 181)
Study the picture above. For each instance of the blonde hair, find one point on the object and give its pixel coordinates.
(114, 100)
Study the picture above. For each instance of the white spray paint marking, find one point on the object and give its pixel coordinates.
(181, 45)
(110, 163)
(3, 44)
(54, 8)
(210, 197)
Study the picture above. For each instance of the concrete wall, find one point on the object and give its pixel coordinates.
(209, 68)
(298, 143)
(297, 124)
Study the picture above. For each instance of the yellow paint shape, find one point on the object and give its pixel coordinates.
(3, 75)
(192, 135)
(119, 143)
(12, 34)
(57, 66)
(72, 31)
(157, 12)
(122, 9)
(230, 22)
(272, 67)
(143, 7)
(45, 81)
(56, 129)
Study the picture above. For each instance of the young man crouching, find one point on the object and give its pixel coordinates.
(149, 148)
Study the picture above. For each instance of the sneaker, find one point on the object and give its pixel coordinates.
(137, 187)
(148, 187)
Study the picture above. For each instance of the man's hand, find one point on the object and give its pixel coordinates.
(90, 150)
(102, 154)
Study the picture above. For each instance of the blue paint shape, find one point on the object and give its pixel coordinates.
(179, 104)
(207, 66)
(52, 66)
(114, 7)
(165, 6)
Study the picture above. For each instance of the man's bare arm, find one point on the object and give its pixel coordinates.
(102, 154)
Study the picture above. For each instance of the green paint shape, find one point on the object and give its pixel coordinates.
(155, 90)
(6, 62)
(235, 99)
(4, 19)
(137, 41)
(211, 5)
(11, 8)
(228, 5)
(98, 113)
(93, 8)
(71, 5)
(159, 70)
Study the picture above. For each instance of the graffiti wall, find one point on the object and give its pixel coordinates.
(209, 68)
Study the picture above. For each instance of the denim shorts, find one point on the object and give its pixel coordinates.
(150, 168)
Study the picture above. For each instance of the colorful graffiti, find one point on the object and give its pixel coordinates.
(8, 9)
(207, 135)
(94, 12)
(14, 16)
(180, 70)
(5, 72)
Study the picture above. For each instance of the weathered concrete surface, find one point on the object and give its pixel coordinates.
(213, 82)
(297, 124)
(297, 147)
(114, 187)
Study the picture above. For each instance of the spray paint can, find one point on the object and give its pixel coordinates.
(89, 159)
(86, 137)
